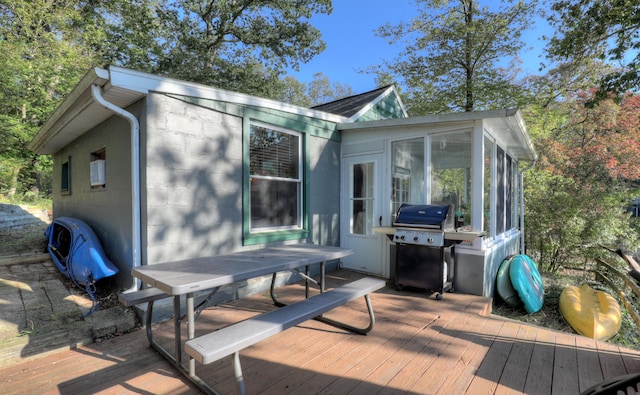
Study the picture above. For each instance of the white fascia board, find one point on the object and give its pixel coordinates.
(518, 125)
(70, 107)
(145, 83)
(428, 119)
(378, 99)
(512, 118)
(372, 103)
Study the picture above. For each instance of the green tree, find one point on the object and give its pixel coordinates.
(293, 91)
(240, 45)
(576, 195)
(39, 63)
(450, 62)
(607, 30)
(321, 90)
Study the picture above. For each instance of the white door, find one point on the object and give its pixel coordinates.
(361, 212)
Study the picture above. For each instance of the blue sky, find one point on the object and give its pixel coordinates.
(352, 45)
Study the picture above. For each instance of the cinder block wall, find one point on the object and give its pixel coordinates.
(193, 177)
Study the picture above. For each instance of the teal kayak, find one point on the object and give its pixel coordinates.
(527, 282)
(503, 284)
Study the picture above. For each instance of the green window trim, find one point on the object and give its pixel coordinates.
(261, 237)
(65, 177)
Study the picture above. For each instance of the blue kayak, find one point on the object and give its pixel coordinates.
(527, 281)
(77, 252)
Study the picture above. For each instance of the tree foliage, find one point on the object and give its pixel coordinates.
(576, 195)
(452, 53)
(319, 91)
(40, 62)
(608, 30)
(240, 45)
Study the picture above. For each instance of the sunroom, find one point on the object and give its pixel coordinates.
(473, 161)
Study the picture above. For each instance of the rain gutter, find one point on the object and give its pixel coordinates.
(96, 92)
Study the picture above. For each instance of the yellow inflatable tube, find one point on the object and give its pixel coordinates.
(594, 314)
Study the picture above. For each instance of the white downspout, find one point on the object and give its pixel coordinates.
(96, 92)
(522, 204)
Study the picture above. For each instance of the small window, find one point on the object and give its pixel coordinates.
(98, 169)
(65, 177)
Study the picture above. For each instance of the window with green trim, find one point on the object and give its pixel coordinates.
(65, 177)
(275, 174)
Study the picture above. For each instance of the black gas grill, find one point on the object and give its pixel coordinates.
(424, 257)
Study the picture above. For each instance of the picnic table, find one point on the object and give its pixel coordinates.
(186, 277)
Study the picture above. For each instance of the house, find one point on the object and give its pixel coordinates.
(164, 170)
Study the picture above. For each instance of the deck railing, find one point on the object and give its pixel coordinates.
(623, 285)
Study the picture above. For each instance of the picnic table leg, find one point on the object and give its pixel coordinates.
(306, 282)
(176, 329)
(322, 276)
(237, 369)
(176, 360)
(360, 331)
(191, 325)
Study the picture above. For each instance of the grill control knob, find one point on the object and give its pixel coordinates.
(430, 239)
(416, 238)
(402, 237)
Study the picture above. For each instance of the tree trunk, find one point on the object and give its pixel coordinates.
(468, 105)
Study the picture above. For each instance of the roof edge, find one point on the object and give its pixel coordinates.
(145, 82)
(390, 89)
(57, 120)
(449, 117)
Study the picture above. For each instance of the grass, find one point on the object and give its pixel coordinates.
(550, 317)
(26, 240)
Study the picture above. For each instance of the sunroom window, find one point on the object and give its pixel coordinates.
(275, 173)
(451, 173)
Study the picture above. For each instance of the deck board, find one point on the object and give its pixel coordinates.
(540, 373)
(589, 371)
(565, 361)
(514, 375)
(419, 345)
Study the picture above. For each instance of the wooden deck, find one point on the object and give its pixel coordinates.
(418, 346)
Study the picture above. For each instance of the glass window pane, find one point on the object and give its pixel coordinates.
(273, 153)
(508, 194)
(274, 203)
(276, 179)
(451, 173)
(407, 173)
(362, 199)
(500, 191)
(488, 155)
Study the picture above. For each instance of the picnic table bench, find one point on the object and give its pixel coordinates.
(233, 338)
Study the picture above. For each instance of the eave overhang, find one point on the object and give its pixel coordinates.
(79, 113)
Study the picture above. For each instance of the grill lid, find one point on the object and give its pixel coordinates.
(425, 216)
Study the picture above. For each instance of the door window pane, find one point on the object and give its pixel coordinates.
(362, 198)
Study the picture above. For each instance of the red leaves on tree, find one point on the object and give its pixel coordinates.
(598, 145)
